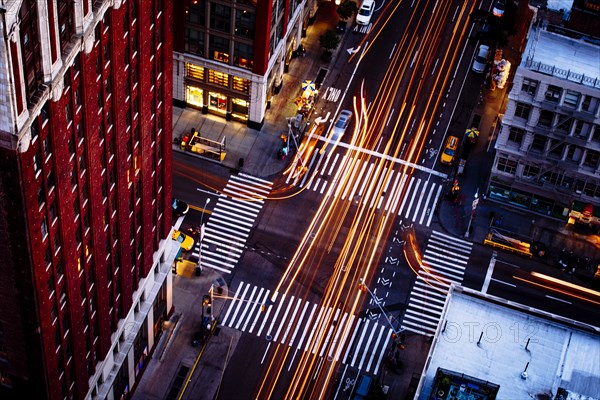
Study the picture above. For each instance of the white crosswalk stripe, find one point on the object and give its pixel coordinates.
(231, 222)
(418, 197)
(444, 261)
(331, 94)
(306, 326)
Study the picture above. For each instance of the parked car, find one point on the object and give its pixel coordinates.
(180, 207)
(186, 242)
(447, 156)
(499, 7)
(481, 59)
(341, 26)
(365, 12)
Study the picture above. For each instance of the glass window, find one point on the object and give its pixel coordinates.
(194, 41)
(507, 165)
(522, 110)
(530, 171)
(241, 84)
(563, 123)
(218, 78)
(553, 93)
(219, 48)
(244, 23)
(538, 144)
(194, 71)
(529, 86)
(590, 104)
(243, 55)
(557, 148)
(220, 17)
(195, 12)
(546, 118)
(574, 153)
(591, 159)
(571, 99)
(516, 135)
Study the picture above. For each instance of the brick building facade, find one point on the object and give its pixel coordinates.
(85, 193)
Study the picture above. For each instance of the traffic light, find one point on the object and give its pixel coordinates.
(362, 287)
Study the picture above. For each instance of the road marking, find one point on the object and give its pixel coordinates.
(287, 310)
(362, 336)
(488, 275)
(557, 299)
(249, 305)
(504, 283)
(258, 314)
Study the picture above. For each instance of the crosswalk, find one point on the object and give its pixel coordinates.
(444, 262)
(358, 342)
(231, 221)
(417, 205)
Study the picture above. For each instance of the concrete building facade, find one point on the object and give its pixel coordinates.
(548, 147)
(230, 56)
(85, 194)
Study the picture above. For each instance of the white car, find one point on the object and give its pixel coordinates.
(363, 17)
(481, 59)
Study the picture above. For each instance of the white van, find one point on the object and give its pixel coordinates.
(363, 17)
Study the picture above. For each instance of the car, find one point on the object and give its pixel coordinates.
(363, 17)
(481, 59)
(186, 242)
(339, 128)
(180, 207)
(449, 152)
(341, 26)
(498, 9)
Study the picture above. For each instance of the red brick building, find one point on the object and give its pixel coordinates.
(230, 55)
(85, 194)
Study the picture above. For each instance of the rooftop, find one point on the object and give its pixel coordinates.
(494, 341)
(562, 56)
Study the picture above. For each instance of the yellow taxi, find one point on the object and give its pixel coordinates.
(186, 242)
(447, 156)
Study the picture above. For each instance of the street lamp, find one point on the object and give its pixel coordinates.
(363, 287)
(473, 207)
(204, 210)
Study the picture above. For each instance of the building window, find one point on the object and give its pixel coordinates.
(52, 211)
(530, 171)
(218, 78)
(243, 55)
(37, 166)
(538, 144)
(574, 154)
(194, 41)
(195, 12)
(220, 18)
(591, 159)
(217, 102)
(516, 135)
(546, 118)
(522, 110)
(553, 93)
(241, 84)
(47, 147)
(557, 148)
(44, 226)
(239, 107)
(194, 71)
(506, 165)
(219, 48)
(571, 99)
(563, 124)
(529, 86)
(194, 96)
(590, 104)
(244, 23)
(41, 195)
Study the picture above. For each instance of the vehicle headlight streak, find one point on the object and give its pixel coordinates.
(368, 227)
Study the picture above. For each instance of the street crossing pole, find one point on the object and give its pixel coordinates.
(473, 207)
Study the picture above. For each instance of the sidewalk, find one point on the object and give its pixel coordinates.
(259, 149)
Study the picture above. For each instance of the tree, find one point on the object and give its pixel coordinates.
(329, 41)
(347, 9)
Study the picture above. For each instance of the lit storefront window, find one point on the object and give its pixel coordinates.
(217, 102)
(218, 78)
(194, 71)
(194, 96)
(239, 108)
(241, 84)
